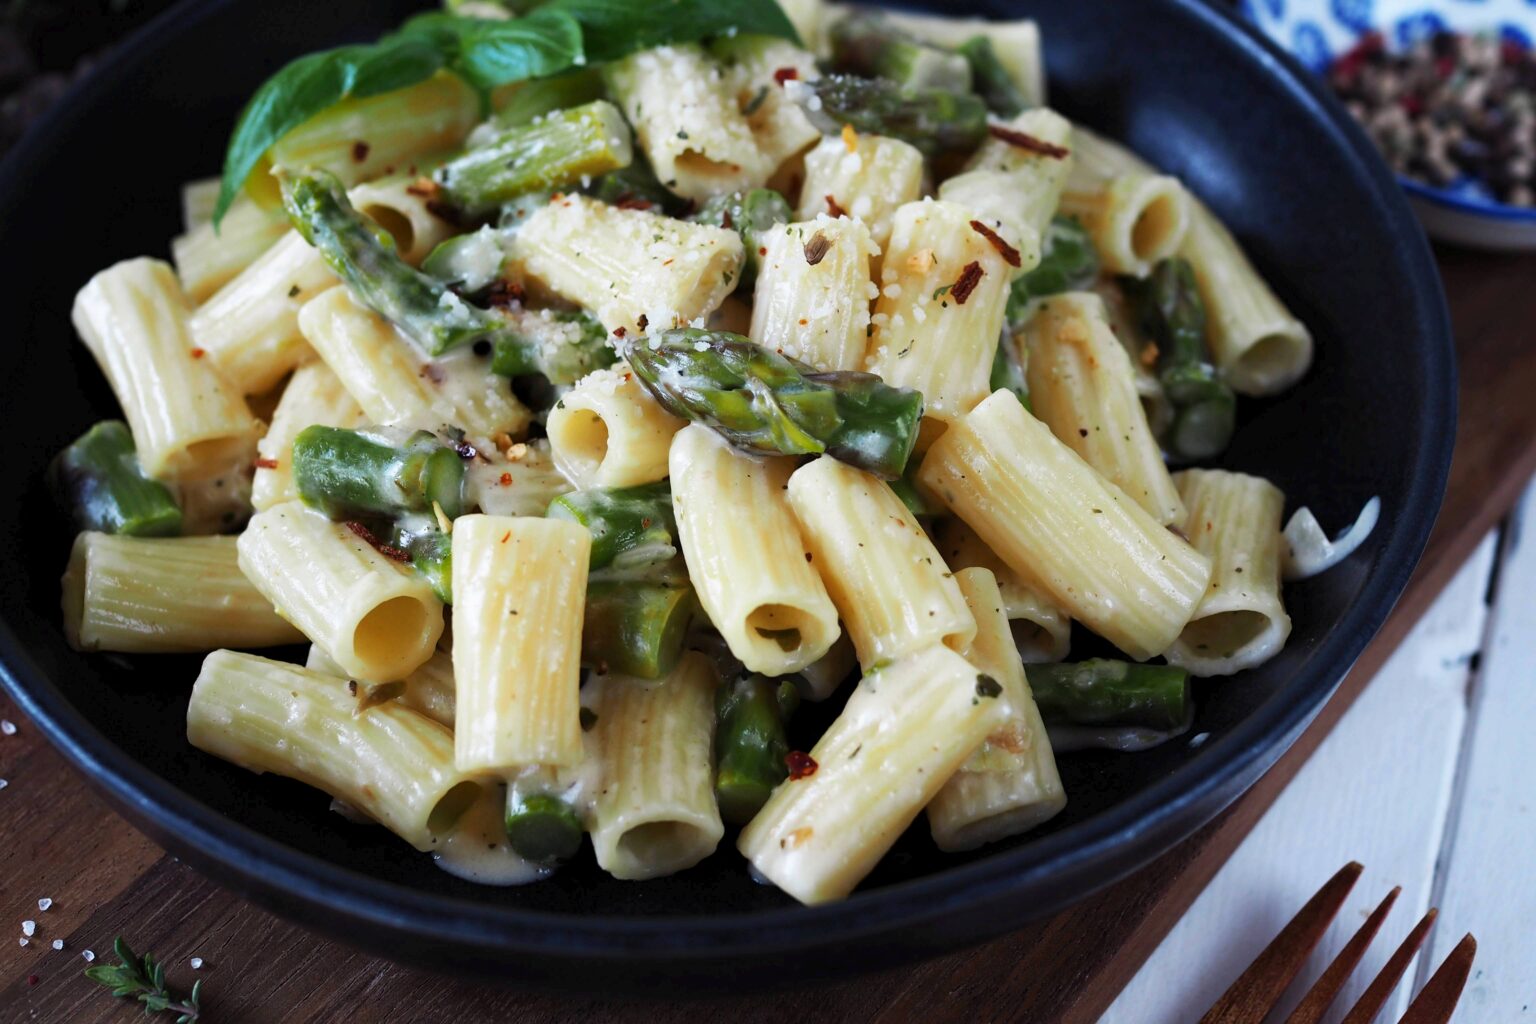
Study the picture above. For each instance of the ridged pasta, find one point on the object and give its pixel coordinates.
(314, 396)
(817, 312)
(869, 182)
(608, 431)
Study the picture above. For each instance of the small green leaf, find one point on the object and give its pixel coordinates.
(617, 28)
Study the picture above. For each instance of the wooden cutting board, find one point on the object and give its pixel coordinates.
(105, 879)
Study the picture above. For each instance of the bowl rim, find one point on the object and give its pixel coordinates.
(1486, 209)
(1042, 876)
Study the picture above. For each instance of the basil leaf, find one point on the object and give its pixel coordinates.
(311, 84)
(544, 43)
(617, 28)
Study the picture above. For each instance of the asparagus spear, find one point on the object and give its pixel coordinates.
(430, 551)
(1113, 693)
(750, 746)
(564, 346)
(541, 827)
(932, 120)
(637, 185)
(870, 45)
(1173, 315)
(1068, 262)
(764, 402)
(749, 214)
(990, 79)
(534, 99)
(554, 151)
(99, 480)
(632, 528)
(349, 474)
(431, 315)
(636, 628)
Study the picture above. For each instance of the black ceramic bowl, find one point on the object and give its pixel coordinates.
(1187, 85)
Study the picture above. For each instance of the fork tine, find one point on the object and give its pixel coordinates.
(1256, 991)
(1375, 995)
(1326, 988)
(1437, 1000)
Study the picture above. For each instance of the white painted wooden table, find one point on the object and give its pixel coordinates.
(1430, 782)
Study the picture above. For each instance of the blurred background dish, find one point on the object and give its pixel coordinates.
(1445, 88)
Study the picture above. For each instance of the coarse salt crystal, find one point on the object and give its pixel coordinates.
(88, 955)
(196, 962)
(28, 927)
(8, 727)
(58, 943)
(44, 903)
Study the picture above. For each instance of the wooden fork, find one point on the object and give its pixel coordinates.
(1260, 988)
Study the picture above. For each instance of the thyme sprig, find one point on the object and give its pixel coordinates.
(143, 978)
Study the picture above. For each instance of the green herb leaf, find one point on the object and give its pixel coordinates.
(489, 52)
(616, 28)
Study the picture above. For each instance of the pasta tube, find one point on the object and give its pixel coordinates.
(429, 689)
(1234, 519)
(869, 181)
(207, 259)
(146, 596)
(1082, 386)
(813, 292)
(1064, 529)
(519, 586)
(1042, 631)
(653, 812)
(745, 555)
(891, 587)
(941, 308)
(628, 266)
(250, 327)
(608, 431)
(314, 396)
(1135, 220)
(187, 423)
(687, 121)
(902, 734)
(390, 763)
(374, 617)
(1010, 783)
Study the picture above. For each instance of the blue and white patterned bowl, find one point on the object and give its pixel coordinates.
(1317, 31)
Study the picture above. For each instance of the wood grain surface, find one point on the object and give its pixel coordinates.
(61, 842)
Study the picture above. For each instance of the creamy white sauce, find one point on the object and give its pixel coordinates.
(1308, 551)
(476, 849)
(1128, 740)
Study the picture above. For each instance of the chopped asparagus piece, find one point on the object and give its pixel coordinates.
(636, 628)
(763, 402)
(633, 529)
(869, 44)
(1112, 693)
(749, 214)
(750, 746)
(349, 474)
(932, 120)
(542, 828)
(99, 480)
(991, 80)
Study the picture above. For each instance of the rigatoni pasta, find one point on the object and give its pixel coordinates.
(701, 374)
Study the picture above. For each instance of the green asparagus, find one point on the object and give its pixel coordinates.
(350, 474)
(421, 306)
(632, 528)
(541, 827)
(636, 628)
(749, 214)
(869, 44)
(1172, 313)
(750, 746)
(468, 263)
(430, 551)
(99, 480)
(763, 402)
(933, 121)
(554, 151)
(1068, 262)
(563, 346)
(534, 99)
(1007, 370)
(637, 185)
(991, 80)
(1112, 693)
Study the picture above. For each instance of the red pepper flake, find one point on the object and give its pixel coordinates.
(198, 353)
(632, 202)
(726, 220)
(424, 188)
(643, 322)
(801, 766)
(833, 208)
(506, 479)
(1029, 142)
(266, 463)
(506, 536)
(620, 331)
(762, 250)
(783, 75)
(816, 248)
(359, 151)
(1009, 252)
(505, 293)
(387, 550)
(970, 277)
